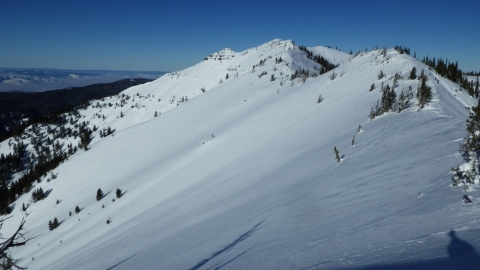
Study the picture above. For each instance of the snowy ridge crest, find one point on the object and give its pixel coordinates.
(255, 152)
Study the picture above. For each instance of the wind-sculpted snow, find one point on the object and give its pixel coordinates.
(251, 149)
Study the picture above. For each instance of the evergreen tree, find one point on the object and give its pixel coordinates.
(50, 225)
(424, 93)
(55, 223)
(413, 74)
(119, 193)
(388, 99)
(77, 209)
(99, 194)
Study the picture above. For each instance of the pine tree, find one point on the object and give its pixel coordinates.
(55, 223)
(388, 99)
(99, 194)
(50, 225)
(77, 209)
(424, 93)
(413, 74)
(119, 193)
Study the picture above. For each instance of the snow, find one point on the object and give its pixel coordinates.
(244, 175)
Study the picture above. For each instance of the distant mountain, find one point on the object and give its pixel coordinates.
(33, 80)
(20, 108)
(277, 157)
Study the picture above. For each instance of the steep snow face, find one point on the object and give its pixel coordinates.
(244, 176)
(141, 103)
(335, 57)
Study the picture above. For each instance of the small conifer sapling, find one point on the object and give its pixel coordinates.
(336, 153)
(119, 193)
(99, 194)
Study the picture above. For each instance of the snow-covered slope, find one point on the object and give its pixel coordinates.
(244, 175)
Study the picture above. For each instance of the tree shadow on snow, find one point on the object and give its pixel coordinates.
(105, 195)
(227, 248)
(111, 267)
(461, 255)
(46, 193)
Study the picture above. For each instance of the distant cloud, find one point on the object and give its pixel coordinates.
(73, 76)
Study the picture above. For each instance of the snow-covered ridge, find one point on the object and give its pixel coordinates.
(246, 161)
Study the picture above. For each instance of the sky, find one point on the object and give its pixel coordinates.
(173, 35)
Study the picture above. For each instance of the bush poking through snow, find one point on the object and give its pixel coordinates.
(337, 157)
(333, 75)
(320, 99)
(262, 74)
(381, 75)
(466, 199)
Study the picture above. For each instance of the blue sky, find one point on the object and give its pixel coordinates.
(173, 35)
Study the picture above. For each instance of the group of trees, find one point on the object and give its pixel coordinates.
(326, 65)
(109, 131)
(402, 50)
(53, 225)
(451, 71)
(470, 150)
(38, 195)
(119, 193)
(390, 101)
(45, 154)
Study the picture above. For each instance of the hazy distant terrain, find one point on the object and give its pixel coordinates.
(16, 107)
(33, 80)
